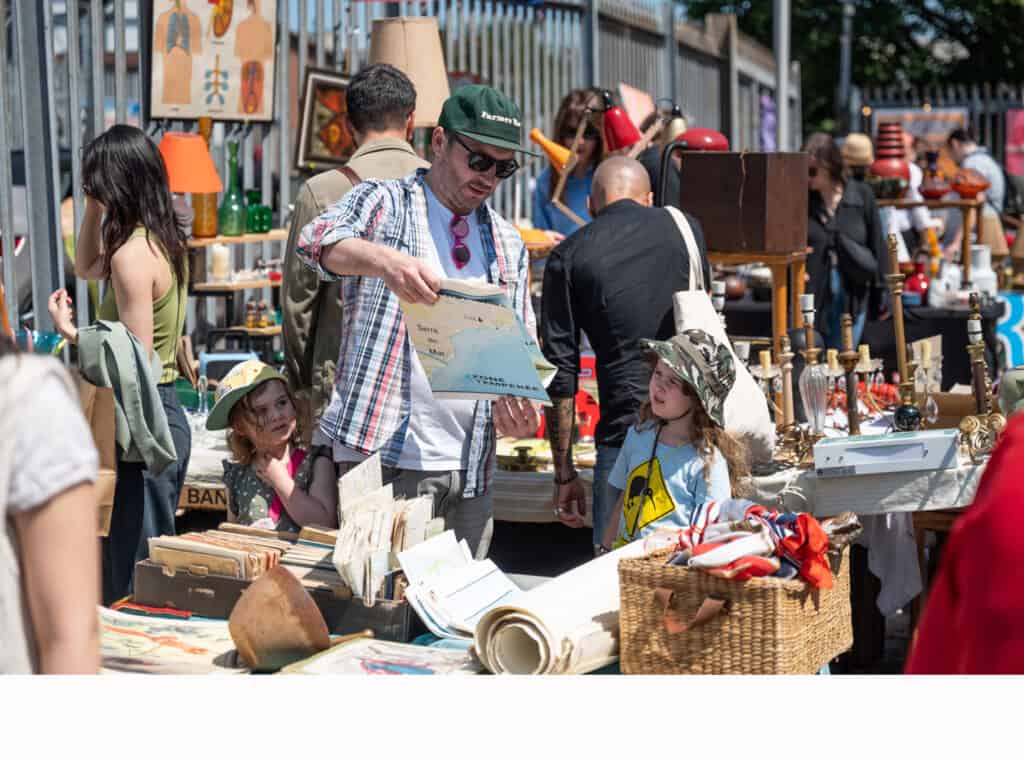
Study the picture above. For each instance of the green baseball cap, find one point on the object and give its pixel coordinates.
(238, 383)
(702, 363)
(483, 113)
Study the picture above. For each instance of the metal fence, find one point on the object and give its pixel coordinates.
(71, 68)
(986, 106)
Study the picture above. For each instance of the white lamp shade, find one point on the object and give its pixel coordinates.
(412, 44)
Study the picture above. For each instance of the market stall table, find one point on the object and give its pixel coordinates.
(749, 318)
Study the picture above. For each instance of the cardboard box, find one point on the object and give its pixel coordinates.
(215, 596)
(753, 202)
(98, 409)
(952, 408)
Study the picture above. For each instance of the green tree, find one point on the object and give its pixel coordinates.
(912, 42)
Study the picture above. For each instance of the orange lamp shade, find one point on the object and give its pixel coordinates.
(559, 155)
(189, 164)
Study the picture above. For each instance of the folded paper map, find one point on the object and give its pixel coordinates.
(472, 345)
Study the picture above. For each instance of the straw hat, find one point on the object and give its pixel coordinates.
(857, 150)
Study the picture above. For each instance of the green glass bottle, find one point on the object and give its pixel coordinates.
(257, 215)
(231, 216)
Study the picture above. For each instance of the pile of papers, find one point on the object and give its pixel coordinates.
(220, 552)
(448, 589)
(375, 527)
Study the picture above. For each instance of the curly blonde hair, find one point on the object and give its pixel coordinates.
(707, 436)
(242, 448)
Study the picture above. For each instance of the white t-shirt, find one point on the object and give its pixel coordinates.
(437, 435)
(45, 448)
(917, 217)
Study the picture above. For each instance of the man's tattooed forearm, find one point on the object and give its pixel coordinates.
(560, 420)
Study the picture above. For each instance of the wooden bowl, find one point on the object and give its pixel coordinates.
(276, 622)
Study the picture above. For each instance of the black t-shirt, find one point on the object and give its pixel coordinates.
(613, 280)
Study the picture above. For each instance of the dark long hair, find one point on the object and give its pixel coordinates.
(124, 171)
(574, 107)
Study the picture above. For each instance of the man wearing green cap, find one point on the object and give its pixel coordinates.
(396, 239)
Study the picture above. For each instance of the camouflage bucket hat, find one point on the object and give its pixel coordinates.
(702, 363)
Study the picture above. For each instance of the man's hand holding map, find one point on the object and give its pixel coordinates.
(472, 345)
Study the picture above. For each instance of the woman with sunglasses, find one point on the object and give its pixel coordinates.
(589, 153)
(845, 233)
(130, 238)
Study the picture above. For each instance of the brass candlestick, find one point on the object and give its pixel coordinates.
(786, 362)
(895, 280)
(849, 358)
(766, 371)
(976, 350)
(978, 433)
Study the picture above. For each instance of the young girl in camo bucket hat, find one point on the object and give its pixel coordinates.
(678, 461)
(273, 482)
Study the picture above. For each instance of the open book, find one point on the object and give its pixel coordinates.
(472, 345)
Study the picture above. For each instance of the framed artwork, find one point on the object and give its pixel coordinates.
(213, 58)
(324, 140)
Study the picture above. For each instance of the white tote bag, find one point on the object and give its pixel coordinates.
(746, 408)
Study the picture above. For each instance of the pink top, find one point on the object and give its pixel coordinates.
(297, 457)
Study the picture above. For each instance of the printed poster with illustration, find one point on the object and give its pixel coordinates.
(213, 58)
(472, 345)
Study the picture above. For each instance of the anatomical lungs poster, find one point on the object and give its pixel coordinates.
(213, 58)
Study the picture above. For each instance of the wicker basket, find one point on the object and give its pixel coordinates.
(763, 626)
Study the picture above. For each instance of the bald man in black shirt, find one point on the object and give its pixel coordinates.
(613, 280)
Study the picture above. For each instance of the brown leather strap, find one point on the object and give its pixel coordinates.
(707, 611)
(350, 175)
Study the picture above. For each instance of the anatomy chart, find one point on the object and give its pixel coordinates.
(213, 58)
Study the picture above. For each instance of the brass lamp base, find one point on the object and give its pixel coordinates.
(978, 434)
(796, 449)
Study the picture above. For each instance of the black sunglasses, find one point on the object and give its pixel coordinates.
(590, 132)
(482, 163)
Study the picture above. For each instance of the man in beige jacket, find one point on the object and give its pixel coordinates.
(380, 102)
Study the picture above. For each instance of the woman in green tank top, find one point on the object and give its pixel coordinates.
(131, 239)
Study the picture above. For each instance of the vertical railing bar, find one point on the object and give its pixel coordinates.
(320, 28)
(99, 55)
(474, 34)
(284, 112)
(463, 33)
(120, 65)
(303, 47)
(6, 205)
(48, 80)
(75, 135)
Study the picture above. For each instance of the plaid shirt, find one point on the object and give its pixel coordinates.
(369, 409)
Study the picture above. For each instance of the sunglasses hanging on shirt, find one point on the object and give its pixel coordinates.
(460, 230)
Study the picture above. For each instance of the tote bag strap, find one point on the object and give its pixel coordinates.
(693, 252)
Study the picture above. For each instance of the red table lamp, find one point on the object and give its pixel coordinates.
(619, 130)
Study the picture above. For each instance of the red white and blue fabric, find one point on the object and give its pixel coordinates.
(758, 545)
(369, 408)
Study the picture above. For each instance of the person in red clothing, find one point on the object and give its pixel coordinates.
(973, 622)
